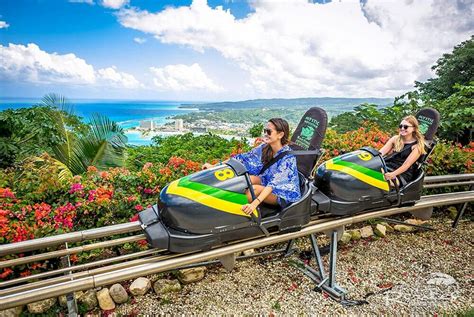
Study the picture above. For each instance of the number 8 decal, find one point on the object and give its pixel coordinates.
(224, 174)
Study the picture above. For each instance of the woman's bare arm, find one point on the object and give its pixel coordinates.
(387, 148)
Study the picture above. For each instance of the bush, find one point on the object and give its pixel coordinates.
(202, 148)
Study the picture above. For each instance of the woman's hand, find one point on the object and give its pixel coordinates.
(205, 166)
(390, 175)
(249, 208)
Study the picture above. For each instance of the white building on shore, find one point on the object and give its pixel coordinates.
(147, 125)
(179, 124)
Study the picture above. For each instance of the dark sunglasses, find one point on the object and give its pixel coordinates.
(268, 131)
(404, 126)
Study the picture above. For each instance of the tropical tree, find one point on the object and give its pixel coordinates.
(102, 145)
(451, 69)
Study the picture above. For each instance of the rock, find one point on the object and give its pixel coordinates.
(41, 306)
(366, 232)
(63, 299)
(415, 222)
(355, 234)
(89, 299)
(441, 279)
(118, 293)
(12, 312)
(163, 287)
(192, 275)
(388, 227)
(380, 230)
(453, 212)
(105, 301)
(249, 252)
(404, 228)
(346, 237)
(140, 286)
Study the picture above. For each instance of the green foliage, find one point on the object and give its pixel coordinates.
(350, 121)
(256, 130)
(454, 68)
(202, 148)
(457, 113)
(29, 131)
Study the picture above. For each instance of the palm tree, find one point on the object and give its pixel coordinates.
(102, 145)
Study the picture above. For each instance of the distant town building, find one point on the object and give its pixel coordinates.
(147, 125)
(199, 129)
(179, 124)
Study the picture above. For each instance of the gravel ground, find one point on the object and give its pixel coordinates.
(390, 273)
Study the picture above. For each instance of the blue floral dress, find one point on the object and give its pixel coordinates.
(282, 176)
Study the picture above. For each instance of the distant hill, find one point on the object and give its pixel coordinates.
(344, 104)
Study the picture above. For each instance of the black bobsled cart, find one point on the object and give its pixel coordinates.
(203, 209)
(354, 182)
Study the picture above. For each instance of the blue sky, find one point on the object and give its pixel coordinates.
(224, 50)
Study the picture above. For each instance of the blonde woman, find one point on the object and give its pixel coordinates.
(403, 150)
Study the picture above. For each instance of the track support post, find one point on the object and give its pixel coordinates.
(325, 282)
(70, 297)
(461, 211)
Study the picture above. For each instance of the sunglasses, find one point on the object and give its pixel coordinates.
(268, 131)
(404, 126)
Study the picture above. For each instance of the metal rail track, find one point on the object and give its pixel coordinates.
(23, 294)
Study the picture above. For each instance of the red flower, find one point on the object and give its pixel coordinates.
(135, 217)
(138, 207)
(5, 273)
(6, 193)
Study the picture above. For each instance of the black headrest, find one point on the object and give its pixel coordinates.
(309, 135)
(429, 119)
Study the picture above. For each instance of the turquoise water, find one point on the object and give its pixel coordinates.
(126, 113)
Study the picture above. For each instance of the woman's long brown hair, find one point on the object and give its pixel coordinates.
(281, 125)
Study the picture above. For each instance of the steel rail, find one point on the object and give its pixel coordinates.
(75, 276)
(69, 251)
(450, 184)
(79, 267)
(78, 236)
(103, 279)
(448, 178)
(29, 245)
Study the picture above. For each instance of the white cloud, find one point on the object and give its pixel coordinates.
(183, 78)
(31, 64)
(114, 4)
(113, 78)
(298, 48)
(4, 25)
(139, 40)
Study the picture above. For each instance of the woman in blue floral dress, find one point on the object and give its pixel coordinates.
(279, 183)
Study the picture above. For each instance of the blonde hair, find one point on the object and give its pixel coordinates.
(398, 144)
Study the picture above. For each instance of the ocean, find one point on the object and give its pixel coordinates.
(127, 114)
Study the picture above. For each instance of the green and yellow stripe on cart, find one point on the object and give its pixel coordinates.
(209, 196)
(361, 173)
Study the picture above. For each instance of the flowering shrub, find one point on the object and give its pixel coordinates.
(35, 203)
